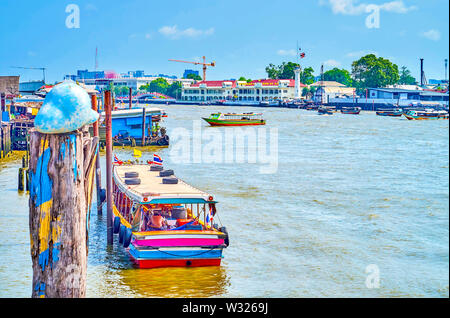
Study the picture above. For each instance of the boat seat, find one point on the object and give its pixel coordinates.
(197, 227)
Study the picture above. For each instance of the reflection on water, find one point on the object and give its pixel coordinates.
(175, 282)
(350, 191)
(111, 273)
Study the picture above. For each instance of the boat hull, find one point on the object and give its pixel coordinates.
(389, 114)
(187, 256)
(176, 263)
(410, 117)
(350, 112)
(215, 122)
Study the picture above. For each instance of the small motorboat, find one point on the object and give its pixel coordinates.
(326, 110)
(394, 112)
(232, 119)
(351, 110)
(426, 114)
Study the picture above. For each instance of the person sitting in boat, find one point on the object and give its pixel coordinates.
(166, 212)
(156, 223)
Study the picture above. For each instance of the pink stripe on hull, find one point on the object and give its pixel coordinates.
(179, 242)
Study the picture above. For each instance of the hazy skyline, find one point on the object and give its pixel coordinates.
(241, 37)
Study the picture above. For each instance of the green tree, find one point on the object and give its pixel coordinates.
(405, 77)
(144, 87)
(287, 70)
(370, 71)
(272, 71)
(308, 92)
(193, 76)
(242, 78)
(338, 75)
(159, 85)
(283, 71)
(121, 90)
(307, 76)
(305, 91)
(174, 90)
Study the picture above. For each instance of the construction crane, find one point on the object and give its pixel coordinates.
(33, 68)
(205, 65)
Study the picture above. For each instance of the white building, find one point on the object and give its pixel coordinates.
(134, 82)
(327, 90)
(258, 90)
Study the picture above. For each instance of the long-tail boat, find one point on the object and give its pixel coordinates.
(351, 110)
(395, 112)
(232, 119)
(426, 114)
(163, 221)
(326, 110)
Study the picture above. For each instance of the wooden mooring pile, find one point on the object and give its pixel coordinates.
(5, 140)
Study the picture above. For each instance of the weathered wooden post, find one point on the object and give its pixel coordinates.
(98, 178)
(62, 161)
(108, 124)
(20, 185)
(3, 103)
(130, 101)
(143, 126)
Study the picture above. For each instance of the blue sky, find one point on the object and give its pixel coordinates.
(242, 37)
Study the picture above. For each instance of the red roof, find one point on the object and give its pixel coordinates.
(213, 83)
(264, 82)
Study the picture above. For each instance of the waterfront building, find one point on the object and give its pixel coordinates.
(9, 85)
(134, 79)
(134, 82)
(405, 96)
(327, 90)
(257, 90)
(28, 88)
(394, 97)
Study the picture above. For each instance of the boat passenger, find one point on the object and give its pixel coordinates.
(156, 223)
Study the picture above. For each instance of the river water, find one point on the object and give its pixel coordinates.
(352, 197)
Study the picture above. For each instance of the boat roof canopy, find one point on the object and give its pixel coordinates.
(151, 190)
(135, 111)
(242, 114)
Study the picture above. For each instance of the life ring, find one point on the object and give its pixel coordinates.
(116, 227)
(127, 237)
(122, 233)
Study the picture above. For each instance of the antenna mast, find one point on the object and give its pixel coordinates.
(96, 58)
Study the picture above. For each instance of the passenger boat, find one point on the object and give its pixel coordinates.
(232, 119)
(395, 112)
(269, 103)
(351, 110)
(426, 114)
(238, 103)
(326, 110)
(163, 221)
(127, 127)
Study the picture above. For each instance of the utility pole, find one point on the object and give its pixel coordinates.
(109, 207)
(445, 78)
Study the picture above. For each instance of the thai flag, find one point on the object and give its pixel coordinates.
(209, 217)
(116, 160)
(157, 160)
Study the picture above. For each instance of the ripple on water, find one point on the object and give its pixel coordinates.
(349, 192)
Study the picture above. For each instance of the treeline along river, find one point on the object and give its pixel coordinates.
(349, 192)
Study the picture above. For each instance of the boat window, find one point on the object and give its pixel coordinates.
(135, 220)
